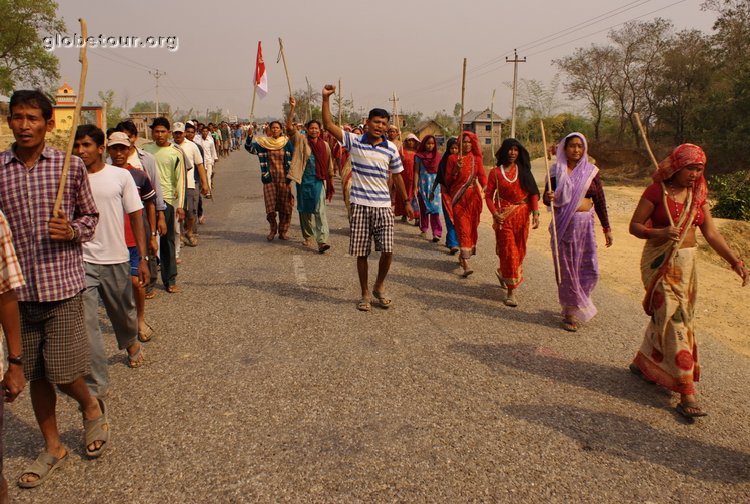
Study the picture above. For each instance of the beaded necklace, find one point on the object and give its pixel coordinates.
(502, 170)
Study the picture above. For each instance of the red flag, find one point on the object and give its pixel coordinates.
(261, 77)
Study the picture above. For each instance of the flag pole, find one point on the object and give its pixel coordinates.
(76, 116)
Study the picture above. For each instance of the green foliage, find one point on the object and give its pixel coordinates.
(150, 106)
(23, 58)
(732, 195)
(114, 114)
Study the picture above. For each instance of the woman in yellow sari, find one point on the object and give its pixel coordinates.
(666, 217)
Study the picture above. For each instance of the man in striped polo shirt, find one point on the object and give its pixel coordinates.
(373, 157)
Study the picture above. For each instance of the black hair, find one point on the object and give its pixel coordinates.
(444, 160)
(191, 126)
(92, 131)
(160, 121)
(110, 131)
(32, 98)
(523, 162)
(568, 139)
(313, 121)
(275, 122)
(379, 112)
(128, 127)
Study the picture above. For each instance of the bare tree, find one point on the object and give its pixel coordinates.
(638, 49)
(589, 73)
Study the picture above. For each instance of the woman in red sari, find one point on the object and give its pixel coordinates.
(408, 151)
(667, 216)
(512, 194)
(465, 180)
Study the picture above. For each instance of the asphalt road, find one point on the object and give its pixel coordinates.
(265, 384)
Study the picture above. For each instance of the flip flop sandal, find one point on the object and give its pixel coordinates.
(682, 409)
(383, 300)
(42, 467)
(137, 359)
(500, 278)
(323, 247)
(364, 305)
(467, 272)
(150, 295)
(569, 326)
(172, 289)
(511, 301)
(637, 371)
(94, 432)
(144, 336)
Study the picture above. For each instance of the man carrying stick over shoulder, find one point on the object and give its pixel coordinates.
(373, 157)
(53, 335)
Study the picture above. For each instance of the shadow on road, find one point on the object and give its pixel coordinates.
(613, 381)
(636, 441)
(487, 299)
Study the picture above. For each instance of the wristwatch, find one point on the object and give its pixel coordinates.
(15, 360)
(155, 233)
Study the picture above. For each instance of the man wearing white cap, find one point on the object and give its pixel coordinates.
(193, 165)
(106, 258)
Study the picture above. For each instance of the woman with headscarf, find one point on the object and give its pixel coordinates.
(426, 163)
(408, 151)
(576, 193)
(512, 195)
(666, 217)
(312, 169)
(275, 155)
(465, 180)
(451, 239)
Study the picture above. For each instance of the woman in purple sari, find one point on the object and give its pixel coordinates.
(576, 193)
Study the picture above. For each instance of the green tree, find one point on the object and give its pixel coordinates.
(150, 106)
(23, 57)
(683, 84)
(114, 114)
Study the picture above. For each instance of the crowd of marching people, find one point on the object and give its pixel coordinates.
(126, 210)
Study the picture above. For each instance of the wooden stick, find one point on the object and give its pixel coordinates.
(461, 117)
(56, 212)
(554, 222)
(339, 100)
(286, 71)
(645, 139)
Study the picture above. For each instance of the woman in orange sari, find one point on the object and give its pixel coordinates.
(666, 217)
(465, 180)
(408, 151)
(512, 195)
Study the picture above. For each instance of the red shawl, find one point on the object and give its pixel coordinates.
(431, 159)
(322, 161)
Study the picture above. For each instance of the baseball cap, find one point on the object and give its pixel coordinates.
(178, 127)
(118, 138)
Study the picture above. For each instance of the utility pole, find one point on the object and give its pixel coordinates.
(309, 100)
(515, 62)
(157, 74)
(492, 122)
(395, 110)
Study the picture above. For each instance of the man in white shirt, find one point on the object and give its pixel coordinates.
(107, 259)
(211, 156)
(193, 166)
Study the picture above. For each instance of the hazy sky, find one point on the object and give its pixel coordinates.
(414, 48)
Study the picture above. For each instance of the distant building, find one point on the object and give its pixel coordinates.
(431, 127)
(142, 121)
(64, 108)
(485, 125)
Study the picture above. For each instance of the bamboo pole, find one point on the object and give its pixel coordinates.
(492, 122)
(56, 212)
(645, 139)
(286, 70)
(339, 100)
(461, 117)
(554, 222)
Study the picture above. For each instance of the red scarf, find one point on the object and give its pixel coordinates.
(322, 161)
(430, 160)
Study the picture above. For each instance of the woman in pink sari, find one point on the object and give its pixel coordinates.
(576, 193)
(666, 217)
